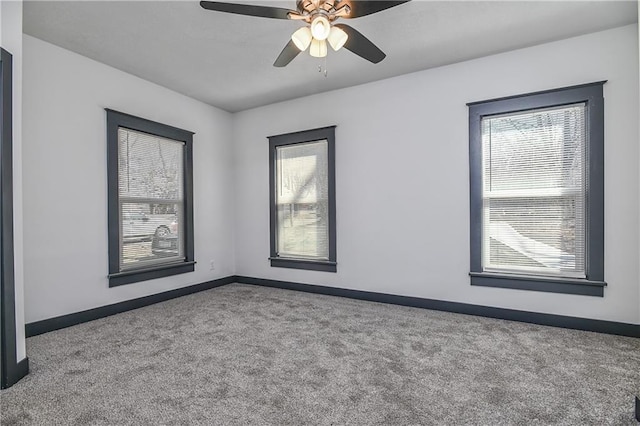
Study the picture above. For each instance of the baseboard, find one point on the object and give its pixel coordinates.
(51, 324)
(585, 324)
(599, 326)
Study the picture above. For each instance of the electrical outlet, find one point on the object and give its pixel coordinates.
(212, 265)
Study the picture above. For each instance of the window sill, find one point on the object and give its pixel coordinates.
(545, 284)
(308, 264)
(159, 271)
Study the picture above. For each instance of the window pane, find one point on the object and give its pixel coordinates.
(302, 200)
(150, 181)
(149, 233)
(538, 235)
(534, 192)
(149, 166)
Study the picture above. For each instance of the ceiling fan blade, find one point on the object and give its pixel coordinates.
(360, 45)
(367, 7)
(247, 9)
(287, 55)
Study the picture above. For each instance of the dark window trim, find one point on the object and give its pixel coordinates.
(10, 369)
(327, 133)
(592, 95)
(115, 120)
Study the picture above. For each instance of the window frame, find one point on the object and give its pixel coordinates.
(301, 137)
(593, 96)
(117, 277)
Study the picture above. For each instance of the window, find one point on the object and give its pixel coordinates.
(302, 195)
(150, 199)
(537, 191)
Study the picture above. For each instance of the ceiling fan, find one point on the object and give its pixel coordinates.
(320, 15)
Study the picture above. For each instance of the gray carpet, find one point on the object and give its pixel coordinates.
(241, 354)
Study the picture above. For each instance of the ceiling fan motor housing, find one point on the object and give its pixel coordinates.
(330, 8)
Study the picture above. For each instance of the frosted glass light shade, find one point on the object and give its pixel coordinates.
(302, 38)
(318, 48)
(320, 27)
(337, 38)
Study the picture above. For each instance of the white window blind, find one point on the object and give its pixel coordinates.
(534, 192)
(151, 199)
(302, 200)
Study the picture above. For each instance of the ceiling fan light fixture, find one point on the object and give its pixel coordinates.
(320, 17)
(318, 48)
(337, 38)
(302, 38)
(320, 27)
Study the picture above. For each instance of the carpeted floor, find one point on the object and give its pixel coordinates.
(241, 354)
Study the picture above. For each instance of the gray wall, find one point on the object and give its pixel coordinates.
(65, 188)
(402, 175)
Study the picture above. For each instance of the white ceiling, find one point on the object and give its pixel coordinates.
(226, 60)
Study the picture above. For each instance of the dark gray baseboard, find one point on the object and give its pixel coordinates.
(51, 324)
(599, 326)
(585, 324)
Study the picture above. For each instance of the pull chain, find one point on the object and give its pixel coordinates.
(320, 70)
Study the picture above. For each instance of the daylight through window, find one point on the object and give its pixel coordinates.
(302, 195)
(534, 192)
(537, 191)
(303, 219)
(150, 212)
(151, 198)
